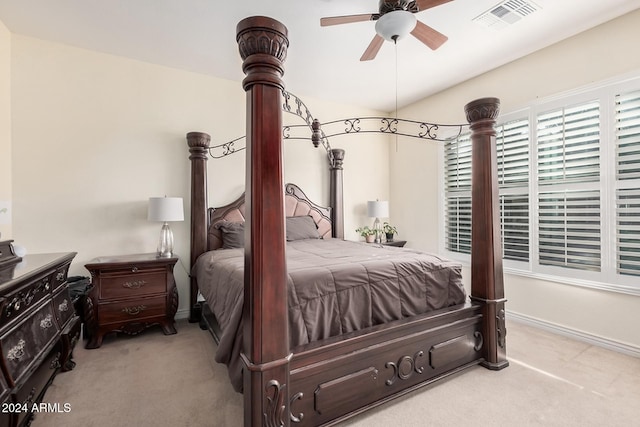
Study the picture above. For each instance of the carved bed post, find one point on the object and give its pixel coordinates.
(336, 194)
(198, 147)
(487, 282)
(263, 46)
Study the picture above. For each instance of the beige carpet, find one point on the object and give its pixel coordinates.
(156, 380)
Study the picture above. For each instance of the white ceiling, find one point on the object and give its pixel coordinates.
(323, 62)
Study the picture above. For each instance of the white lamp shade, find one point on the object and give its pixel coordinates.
(378, 209)
(397, 23)
(165, 209)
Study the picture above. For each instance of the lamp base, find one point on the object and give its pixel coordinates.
(165, 244)
(378, 228)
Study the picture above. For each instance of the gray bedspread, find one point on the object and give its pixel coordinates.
(334, 287)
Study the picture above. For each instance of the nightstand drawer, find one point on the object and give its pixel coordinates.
(131, 310)
(132, 284)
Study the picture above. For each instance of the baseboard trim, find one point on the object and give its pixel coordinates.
(182, 314)
(620, 347)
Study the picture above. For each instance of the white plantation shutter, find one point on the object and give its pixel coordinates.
(512, 147)
(569, 144)
(569, 221)
(512, 144)
(569, 188)
(628, 174)
(458, 163)
(628, 136)
(458, 224)
(458, 195)
(514, 222)
(628, 232)
(569, 229)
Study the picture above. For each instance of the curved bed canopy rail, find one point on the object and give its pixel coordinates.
(317, 134)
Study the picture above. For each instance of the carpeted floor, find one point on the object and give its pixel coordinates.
(157, 380)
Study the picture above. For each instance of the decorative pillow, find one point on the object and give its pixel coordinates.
(232, 234)
(301, 227)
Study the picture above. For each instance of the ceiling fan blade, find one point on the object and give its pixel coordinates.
(373, 48)
(428, 4)
(428, 35)
(336, 20)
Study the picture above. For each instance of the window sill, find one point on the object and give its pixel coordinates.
(571, 281)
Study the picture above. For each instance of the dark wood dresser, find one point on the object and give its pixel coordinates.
(130, 293)
(38, 330)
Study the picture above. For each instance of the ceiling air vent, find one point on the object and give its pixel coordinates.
(506, 13)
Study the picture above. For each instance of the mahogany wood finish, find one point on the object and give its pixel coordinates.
(335, 196)
(327, 381)
(372, 50)
(199, 148)
(263, 46)
(38, 331)
(130, 293)
(486, 247)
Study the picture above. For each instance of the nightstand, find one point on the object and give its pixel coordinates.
(398, 243)
(130, 293)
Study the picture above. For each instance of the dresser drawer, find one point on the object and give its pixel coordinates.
(4, 389)
(132, 284)
(60, 276)
(25, 297)
(32, 390)
(130, 311)
(23, 344)
(63, 307)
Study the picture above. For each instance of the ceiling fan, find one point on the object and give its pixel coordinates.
(394, 20)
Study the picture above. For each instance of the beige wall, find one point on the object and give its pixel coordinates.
(601, 53)
(5, 132)
(95, 135)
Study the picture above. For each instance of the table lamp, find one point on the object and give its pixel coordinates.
(378, 209)
(165, 209)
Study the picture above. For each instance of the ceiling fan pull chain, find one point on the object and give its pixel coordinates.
(395, 43)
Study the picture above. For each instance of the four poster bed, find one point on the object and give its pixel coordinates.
(315, 329)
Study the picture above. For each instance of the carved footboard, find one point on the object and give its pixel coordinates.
(350, 375)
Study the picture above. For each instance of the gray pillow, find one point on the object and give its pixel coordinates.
(301, 227)
(232, 234)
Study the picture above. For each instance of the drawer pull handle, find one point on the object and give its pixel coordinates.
(64, 305)
(60, 276)
(134, 311)
(47, 322)
(17, 352)
(136, 284)
(134, 269)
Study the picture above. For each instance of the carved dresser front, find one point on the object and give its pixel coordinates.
(38, 330)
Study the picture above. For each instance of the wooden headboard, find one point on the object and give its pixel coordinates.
(296, 203)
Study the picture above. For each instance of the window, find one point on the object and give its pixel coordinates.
(512, 149)
(627, 162)
(568, 170)
(458, 188)
(569, 187)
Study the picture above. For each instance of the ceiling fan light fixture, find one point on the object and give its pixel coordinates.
(395, 25)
